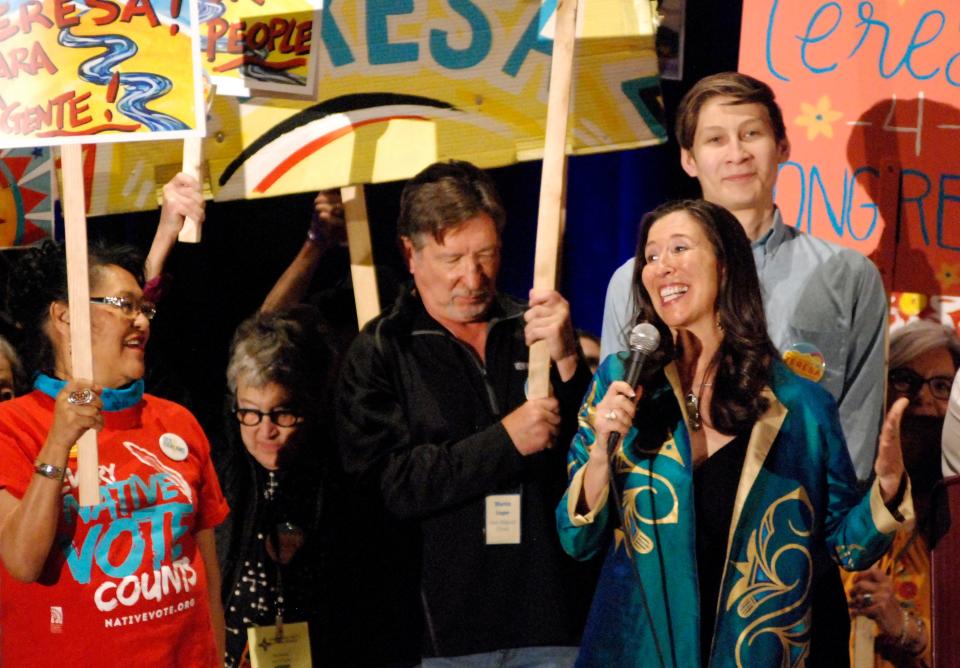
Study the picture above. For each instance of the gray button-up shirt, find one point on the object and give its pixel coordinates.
(817, 293)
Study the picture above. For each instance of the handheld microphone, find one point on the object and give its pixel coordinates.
(644, 339)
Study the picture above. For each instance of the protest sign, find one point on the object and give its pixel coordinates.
(401, 89)
(260, 46)
(869, 94)
(104, 71)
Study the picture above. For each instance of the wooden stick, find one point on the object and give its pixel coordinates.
(192, 158)
(864, 636)
(552, 186)
(78, 295)
(362, 270)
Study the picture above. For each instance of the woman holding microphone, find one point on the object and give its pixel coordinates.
(733, 486)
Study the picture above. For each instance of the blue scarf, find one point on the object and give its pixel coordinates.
(113, 400)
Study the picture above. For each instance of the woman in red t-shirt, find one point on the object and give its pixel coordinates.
(134, 577)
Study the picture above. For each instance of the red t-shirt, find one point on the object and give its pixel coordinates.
(124, 583)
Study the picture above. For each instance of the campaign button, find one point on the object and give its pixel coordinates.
(174, 447)
(805, 360)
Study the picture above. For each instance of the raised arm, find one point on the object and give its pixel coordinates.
(860, 527)
(327, 229)
(182, 197)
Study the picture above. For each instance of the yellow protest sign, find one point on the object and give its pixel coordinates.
(260, 46)
(103, 71)
(403, 85)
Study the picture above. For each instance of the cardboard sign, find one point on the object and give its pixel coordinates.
(869, 91)
(260, 46)
(110, 71)
(400, 89)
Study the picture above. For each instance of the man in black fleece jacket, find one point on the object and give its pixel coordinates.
(434, 423)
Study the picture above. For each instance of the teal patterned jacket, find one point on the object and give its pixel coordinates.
(797, 507)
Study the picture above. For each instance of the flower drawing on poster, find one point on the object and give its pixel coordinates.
(818, 119)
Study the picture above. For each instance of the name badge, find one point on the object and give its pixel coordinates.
(503, 519)
(269, 649)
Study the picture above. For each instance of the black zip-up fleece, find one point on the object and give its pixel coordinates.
(419, 424)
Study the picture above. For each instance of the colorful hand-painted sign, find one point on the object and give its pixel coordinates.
(260, 46)
(405, 84)
(26, 196)
(869, 91)
(104, 70)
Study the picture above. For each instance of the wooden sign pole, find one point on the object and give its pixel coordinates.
(192, 158)
(552, 186)
(78, 294)
(864, 637)
(362, 270)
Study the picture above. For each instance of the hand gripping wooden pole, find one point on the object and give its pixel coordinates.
(362, 269)
(78, 294)
(552, 182)
(192, 165)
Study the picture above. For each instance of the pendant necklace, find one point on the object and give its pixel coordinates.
(692, 402)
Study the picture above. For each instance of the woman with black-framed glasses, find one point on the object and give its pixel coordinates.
(895, 592)
(273, 547)
(136, 574)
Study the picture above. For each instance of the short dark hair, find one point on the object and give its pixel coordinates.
(445, 195)
(746, 354)
(743, 88)
(39, 278)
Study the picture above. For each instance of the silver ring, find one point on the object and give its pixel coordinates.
(80, 397)
(867, 599)
(612, 415)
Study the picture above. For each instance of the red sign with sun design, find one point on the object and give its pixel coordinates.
(26, 196)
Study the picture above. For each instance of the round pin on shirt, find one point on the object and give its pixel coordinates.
(805, 360)
(174, 447)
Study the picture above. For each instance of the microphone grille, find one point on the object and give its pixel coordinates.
(644, 338)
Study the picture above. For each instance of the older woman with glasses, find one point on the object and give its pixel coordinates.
(895, 592)
(274, 546)
(135, 575)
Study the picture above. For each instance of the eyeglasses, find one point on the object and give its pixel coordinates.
(251, 417)
(128, 307)
(908, 383)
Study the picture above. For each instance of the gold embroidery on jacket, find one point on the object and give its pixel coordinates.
(760, 581)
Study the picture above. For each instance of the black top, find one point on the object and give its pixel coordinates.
(715, 490)
(260, 501)
(419, 420)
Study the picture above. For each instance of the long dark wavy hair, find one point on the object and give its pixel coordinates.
(744, 359)
(39, 278)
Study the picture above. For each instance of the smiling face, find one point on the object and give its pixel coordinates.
(119, 341)
(735, 155)
(265, 440)
(680, 273)
(456, 278)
